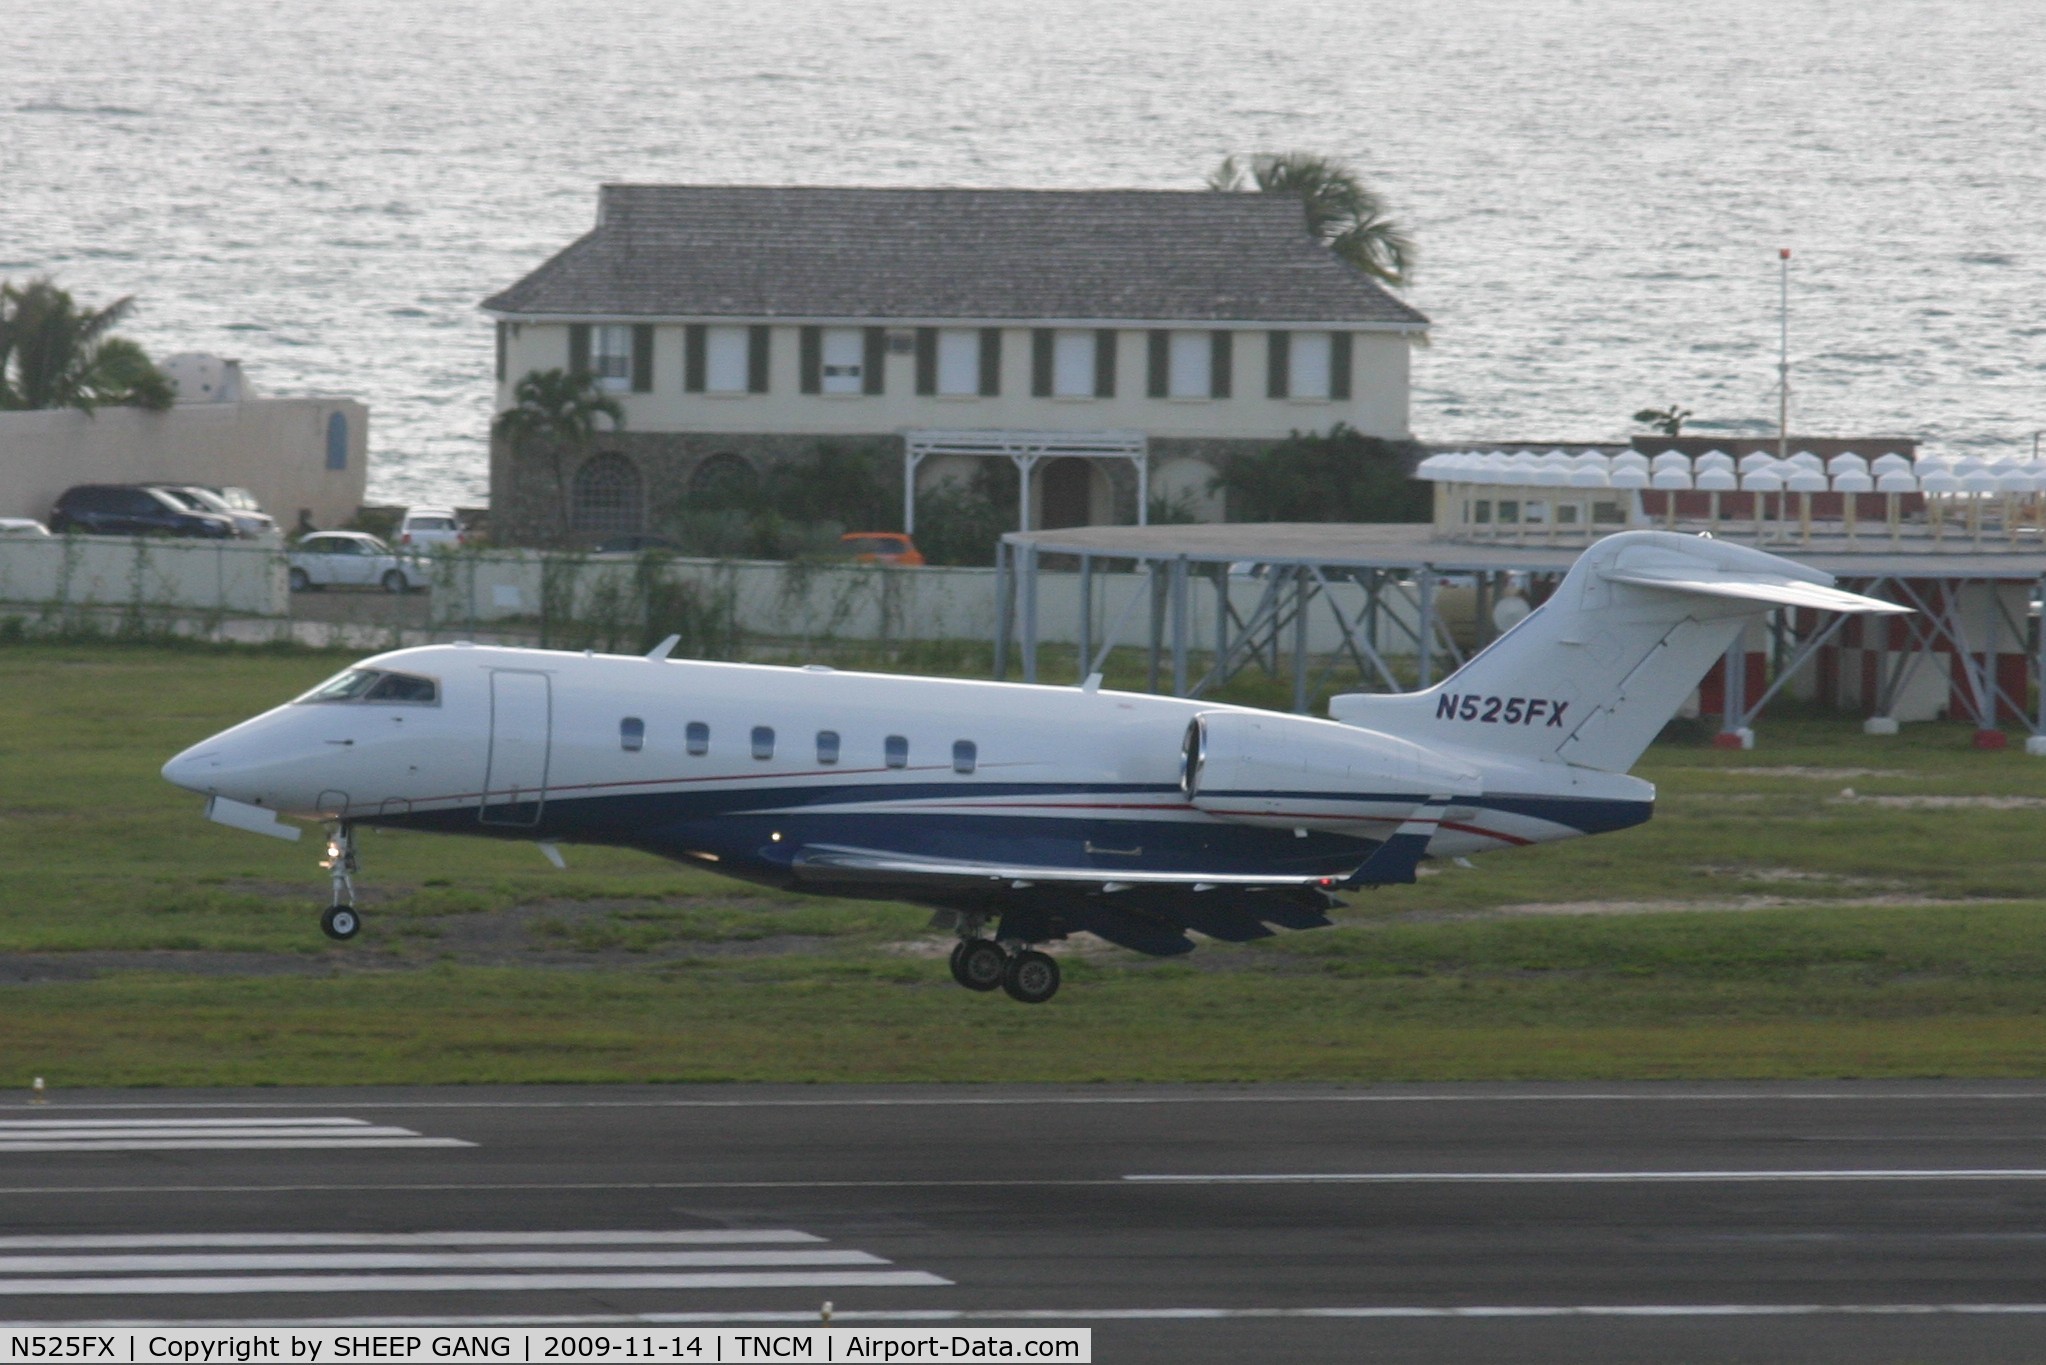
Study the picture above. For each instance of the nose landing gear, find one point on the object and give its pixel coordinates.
(341, 921)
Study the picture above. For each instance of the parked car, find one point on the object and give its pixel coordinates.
(881, 547)
(329, 559)
(112, 509)
(22, 526)
(200, 498)
(422, 528)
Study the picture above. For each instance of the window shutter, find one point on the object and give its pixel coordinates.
(990, 362)
(874, 364)
(1219, 377)
(1278, 358)
(1104, 362)
(1339, 365)
(927, 360)
(1161, 364)
(578, 348)
(695, 342)
(812, 353)
(502, 329)
(642, 357)
(756, 359)
(1040, 362)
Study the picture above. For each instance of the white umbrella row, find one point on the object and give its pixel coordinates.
(1802, 473)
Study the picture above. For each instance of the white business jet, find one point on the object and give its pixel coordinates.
(1023, 813)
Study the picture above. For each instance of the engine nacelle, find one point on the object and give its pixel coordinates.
(1265, 769)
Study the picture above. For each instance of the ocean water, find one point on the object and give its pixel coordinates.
(1599, 187)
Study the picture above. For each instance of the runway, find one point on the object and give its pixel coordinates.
(1653, 1222)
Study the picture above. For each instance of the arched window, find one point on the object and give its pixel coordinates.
(606, 498)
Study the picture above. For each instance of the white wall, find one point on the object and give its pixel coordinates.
(274, 447)
(152, 574)
(1378, 406)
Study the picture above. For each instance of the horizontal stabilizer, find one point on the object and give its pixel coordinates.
(1778, 591)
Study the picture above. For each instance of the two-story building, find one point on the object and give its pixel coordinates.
(1107, 340)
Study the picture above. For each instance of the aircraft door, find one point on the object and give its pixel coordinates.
(521, 730)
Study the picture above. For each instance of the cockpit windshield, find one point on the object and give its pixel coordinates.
(375, 685)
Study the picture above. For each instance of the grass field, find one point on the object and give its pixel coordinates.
(1827, 905)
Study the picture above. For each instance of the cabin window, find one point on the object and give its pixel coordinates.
(1566, 514)
(1608, 514)
(632, 734)
(697, 738)
(763, 741)
(1509, 512)
(827, 746)
(1481, 512)
(896, 751)
(965, 754)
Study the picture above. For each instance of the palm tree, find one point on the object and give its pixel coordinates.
(1341, 210)
(62, 356)
(557, 412)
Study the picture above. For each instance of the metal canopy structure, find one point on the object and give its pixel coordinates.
(1025, 449)
(1287, 575)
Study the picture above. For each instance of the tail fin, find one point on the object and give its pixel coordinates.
(1591, 676)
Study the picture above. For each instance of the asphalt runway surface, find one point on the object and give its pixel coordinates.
(1808, 1222)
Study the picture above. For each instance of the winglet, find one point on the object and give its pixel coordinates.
(664, 648)
(1395, 860)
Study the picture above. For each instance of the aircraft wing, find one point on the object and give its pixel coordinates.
(1150, 912)
(839, 863)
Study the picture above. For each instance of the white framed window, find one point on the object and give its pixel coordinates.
(959, 361)
(845, 354)
(611, 357)
(1191, 372)
(724, 359)
(1072, 363)
(1309, 366)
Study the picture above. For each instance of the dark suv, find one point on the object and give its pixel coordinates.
(112, 509)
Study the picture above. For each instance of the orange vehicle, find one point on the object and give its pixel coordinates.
(882, 547)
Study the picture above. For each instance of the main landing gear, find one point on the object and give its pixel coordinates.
(341, 921)
(982, 964)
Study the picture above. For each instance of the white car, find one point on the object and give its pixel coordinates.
(422, 528)
(22, 526)
(327, 559)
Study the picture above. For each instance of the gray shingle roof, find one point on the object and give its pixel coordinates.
(783, 251)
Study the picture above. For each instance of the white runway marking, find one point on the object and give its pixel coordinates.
(142, 1264)
(673, 1237)
(1582, 1177)
(474, 1284)
(184, 1135)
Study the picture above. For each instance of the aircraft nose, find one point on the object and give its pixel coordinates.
(196, 769)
